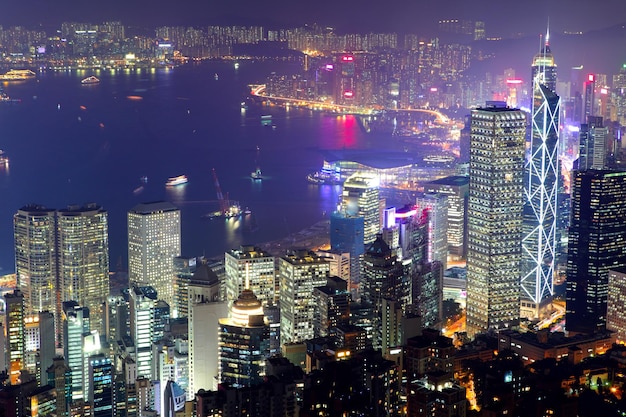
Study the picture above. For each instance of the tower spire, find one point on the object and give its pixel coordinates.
(548, 33)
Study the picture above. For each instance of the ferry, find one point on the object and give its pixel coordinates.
(4, 160)
(17, 75)
(256, 175)
(174, 181)
(90, 80)
(4, 98)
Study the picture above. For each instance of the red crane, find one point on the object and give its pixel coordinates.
(220, 197)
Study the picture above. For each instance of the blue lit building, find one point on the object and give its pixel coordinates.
(101, 377)
(346, 236)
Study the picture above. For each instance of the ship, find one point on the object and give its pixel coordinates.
(232, 211)
(4, 159)
(174, 181)
(4, 98)
(17, 75)
(256, 175)
(90, 80)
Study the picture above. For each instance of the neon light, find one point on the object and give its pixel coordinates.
(347, 58)
(433, 89)
(514, 81)
(348, 94)
(405, 214)
(591, 78)
(329, 67)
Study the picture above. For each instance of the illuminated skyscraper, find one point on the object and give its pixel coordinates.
(243, 342)
(589, 99)
(592, 149)
(83, 253)
(76, 325)
(596, 245)
(15, 348)
(300, 271)
(496, 198)
(360, 198)
(153, 243)
(255, 265)
(35, 257)
(539, 244)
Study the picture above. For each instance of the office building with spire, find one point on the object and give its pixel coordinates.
(254, 265)
(153, 243)
(243, 342)
(541, 185)
(496, 199)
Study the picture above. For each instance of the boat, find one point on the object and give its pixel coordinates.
(4, 98)
(4, 159)
(256, 175)
(266, 120)
(217, 77)
(17, 75)
(233, 211)
(236, 65)
(144, 179)
(174, 181)
(90, 80)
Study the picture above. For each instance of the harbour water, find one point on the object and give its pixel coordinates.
(71, 144)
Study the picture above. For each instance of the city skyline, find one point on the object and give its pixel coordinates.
(351, 15)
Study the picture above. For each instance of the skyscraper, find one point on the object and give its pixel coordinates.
(495, 217)
(76, 325)
(153, 243)
(346, 236)
(35, 258)
(539, 243)
(592, 149)
(83, 253)
(15, 348)
(436, 207)
(360, 198)
(300, 271)
(243, 342)
(596, 245)
(254, 265)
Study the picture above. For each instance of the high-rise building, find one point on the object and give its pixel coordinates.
(496, 198)
(592, 149)
(76, 326)
(615, 314)
(60, 377)
(300, 271)
(153, 243)
(436, 207)
(243, 342)
(383, 277)
(101, 392)
(542, 172)
(39, 344)
(83, 259)
(456, 188)
(346, 236)
(360, 197)
(143, 320)
(35, 258)
(589, 99)
(332, 306)
(205, 309)
(184, 268)
(596, 245)
(254, 265)
(15, 350)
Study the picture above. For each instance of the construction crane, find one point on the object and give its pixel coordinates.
(220, 197)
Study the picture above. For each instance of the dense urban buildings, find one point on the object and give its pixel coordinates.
(495, 217)
(366, 318)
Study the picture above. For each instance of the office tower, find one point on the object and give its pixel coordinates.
(456, 188)
(299, 272)
(596, 245)
(205, 309)
(383, 277)
(39, 344)
(83, 259)
(332, 306)
(184, 268)
(272, 315)
(153, 243)
(35, 257)
(589, 98)
(427, 293)
(346, 236)
(75, 326)
(143, 326)
(60, 377)
(541, 178)
(243, 342)
(436, 207)
(615, 314)
(618, 94)
(14, 312)
(543, 70)
(252, 264)
(592, 150)
(101, 379)
(496, 198)
(360, 198)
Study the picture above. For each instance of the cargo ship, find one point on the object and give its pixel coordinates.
(174, 181)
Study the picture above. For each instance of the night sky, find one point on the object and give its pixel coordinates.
(502, 17)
